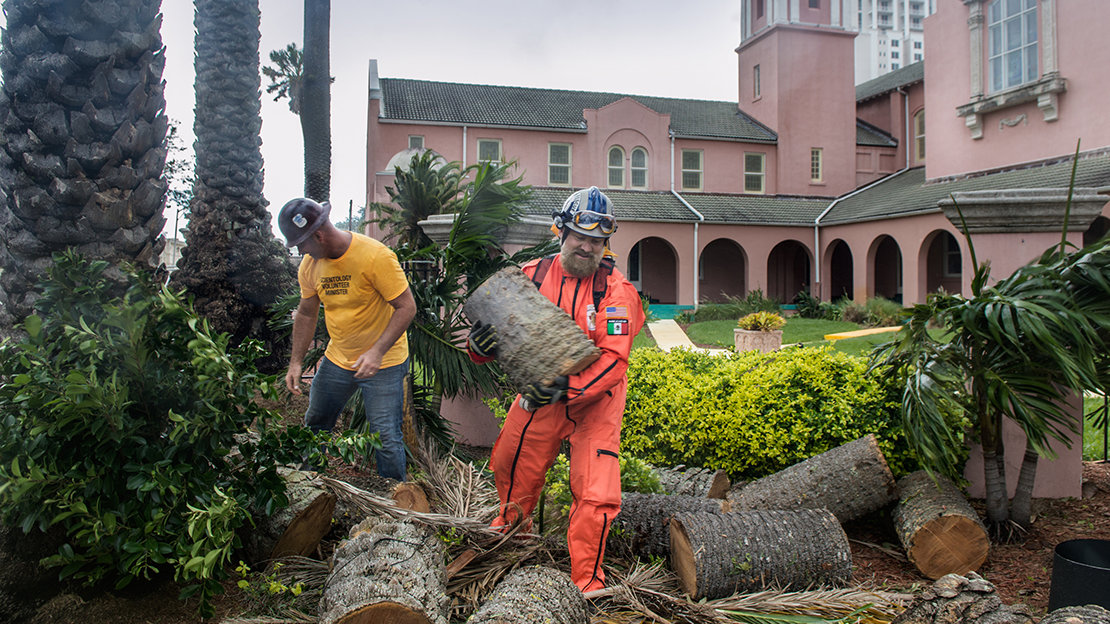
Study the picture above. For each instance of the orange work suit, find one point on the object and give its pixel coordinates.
(589, 417)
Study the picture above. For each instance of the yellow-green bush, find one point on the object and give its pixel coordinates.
(755, 413)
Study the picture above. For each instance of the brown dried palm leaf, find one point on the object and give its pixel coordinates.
(374, 505)
(460, 488)
(861, 606)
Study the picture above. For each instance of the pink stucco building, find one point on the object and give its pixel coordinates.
(808, 182)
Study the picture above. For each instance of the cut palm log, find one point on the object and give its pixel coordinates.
(717, 555)
(1086, 614)
(954, 599)
(642, 530)
(693, 481)
(411, 496)
(939, 530)
(536, 341)
(851, 480)
(533, 595)
(388, 571)
(297, 529)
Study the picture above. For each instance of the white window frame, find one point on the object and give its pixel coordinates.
(1044, 91)
(553, 166)
(614, 172)
(757, 88)
(816, 165)
(752, 174)
(416, 141)
(699, 171)
(496, 142)
(1002, 47)
(638, 169)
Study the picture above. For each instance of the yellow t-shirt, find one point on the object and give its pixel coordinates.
(356, 289)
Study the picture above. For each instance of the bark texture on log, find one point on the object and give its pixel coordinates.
(641, 529)
(851, 481)
(533, 595)
(955, 599)
(297, 529)
(693, 481)
(388, 571)
(536, 341)
(1087, 614)
(939, 530)
(717, 555)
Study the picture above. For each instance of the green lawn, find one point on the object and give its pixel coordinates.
(1093, 448)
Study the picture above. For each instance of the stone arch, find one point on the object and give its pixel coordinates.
(884, 269)
(940, 262)
(722, 271)
(653, 269)
(788, 271)
(839, 263)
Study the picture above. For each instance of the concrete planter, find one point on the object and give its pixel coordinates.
(765, 341)
(526, 232)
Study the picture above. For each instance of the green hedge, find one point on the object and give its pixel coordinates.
(753, 414)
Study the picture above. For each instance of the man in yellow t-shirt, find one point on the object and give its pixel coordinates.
(367, 308)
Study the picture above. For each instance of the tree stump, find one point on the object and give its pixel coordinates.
(641, 529)
(939, 530)
(954, 599)
(701, 482)
(717, 555)
(297, 529)
(851, 480)
(536, 340)
(533, 595)
(1087, 614)
(388, 571)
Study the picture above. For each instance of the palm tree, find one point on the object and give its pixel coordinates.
(426, 187)
(1014, 350)
(231, 264)
(83, 137)
(305, 78)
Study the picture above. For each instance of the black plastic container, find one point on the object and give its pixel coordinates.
(1080, 574)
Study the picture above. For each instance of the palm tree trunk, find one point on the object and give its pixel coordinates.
(232, 265)
(994, 469)
(1021, 508)
(316, 102)
(82, 154)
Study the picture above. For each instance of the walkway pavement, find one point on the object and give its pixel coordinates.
(668, 335)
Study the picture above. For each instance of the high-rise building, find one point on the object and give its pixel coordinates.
(891, 35)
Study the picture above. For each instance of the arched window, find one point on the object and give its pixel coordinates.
(616, 167)
(639, 168)
(919, 136)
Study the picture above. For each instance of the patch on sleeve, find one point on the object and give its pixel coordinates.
(621, 311)
(617, 326)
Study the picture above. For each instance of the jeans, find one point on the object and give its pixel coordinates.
(382, 394)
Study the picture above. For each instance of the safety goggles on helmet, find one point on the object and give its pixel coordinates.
(589, 220)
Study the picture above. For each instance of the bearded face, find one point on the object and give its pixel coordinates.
(581, 255)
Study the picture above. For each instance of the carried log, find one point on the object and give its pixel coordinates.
(693, 481)
(536, 340)
(954, 599)
(717, 555)
(387, 571)
(533, 595)
(939, 530)
(1086, 614)
(642, 528)
(297, 529)
(851, 480)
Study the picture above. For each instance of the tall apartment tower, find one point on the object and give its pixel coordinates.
(891, 35)
(795, 77)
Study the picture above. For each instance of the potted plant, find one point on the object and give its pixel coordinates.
(760, 331)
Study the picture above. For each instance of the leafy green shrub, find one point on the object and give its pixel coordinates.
(761, 321)
(120, 423)
(812, 307)
(752, 414)
(636, 476)
(884, 312)
(732, 308)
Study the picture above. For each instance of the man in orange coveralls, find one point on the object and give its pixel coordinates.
(585, 408)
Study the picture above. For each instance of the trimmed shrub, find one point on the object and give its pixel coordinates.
(732, 308)
(753, 414)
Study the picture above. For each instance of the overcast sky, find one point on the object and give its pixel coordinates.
(644, 47)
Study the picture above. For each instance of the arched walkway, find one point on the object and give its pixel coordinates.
(886, 269)
(839, 260)
(788, 271)
(942, 262)
(653, 269)
(1097, 231)
(722, 271)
